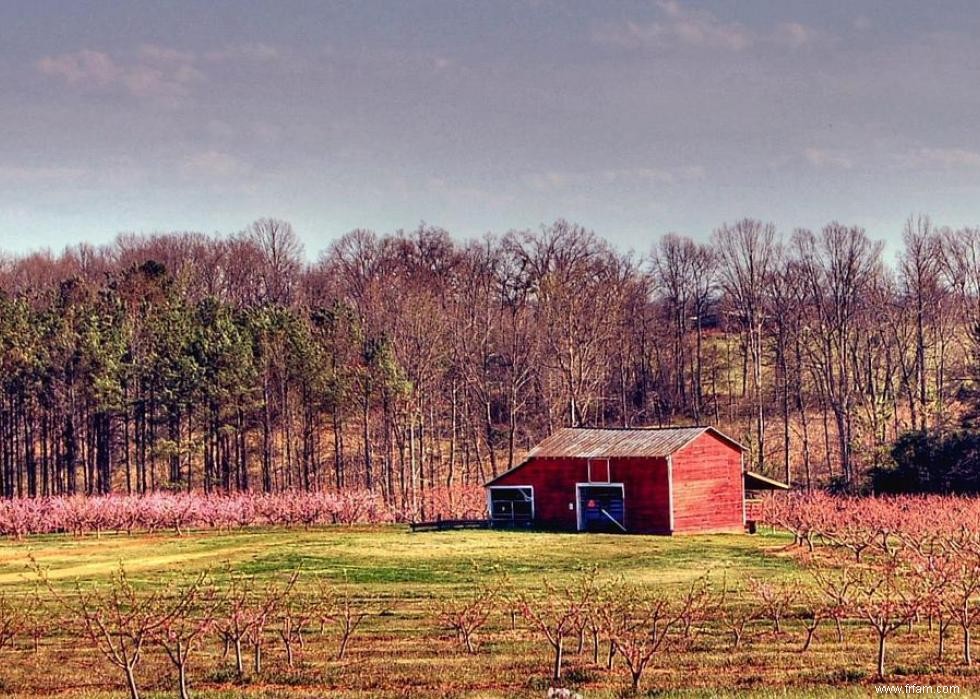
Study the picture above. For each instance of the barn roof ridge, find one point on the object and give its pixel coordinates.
(694, 429)
(645, 428)
(598, 442)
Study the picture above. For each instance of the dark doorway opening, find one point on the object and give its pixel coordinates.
(511, 505)
(601, 508)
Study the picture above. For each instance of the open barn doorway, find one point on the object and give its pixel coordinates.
(511, 505)
(601, 508)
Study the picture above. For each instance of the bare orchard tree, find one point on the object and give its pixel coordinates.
(643, 625)
(183, 633)
(340, 607)
(119, 620)
(556, 613)
(465, 615)
(13, 621)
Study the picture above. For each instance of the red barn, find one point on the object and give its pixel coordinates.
(651, 480)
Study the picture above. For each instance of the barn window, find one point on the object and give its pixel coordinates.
(512, 503)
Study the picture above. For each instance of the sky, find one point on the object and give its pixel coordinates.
(631, 118)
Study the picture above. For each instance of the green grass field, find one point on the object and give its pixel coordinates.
(405, 652)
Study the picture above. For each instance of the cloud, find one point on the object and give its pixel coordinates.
(213, 164)
(793, 34)
(677, 25)
(155, 72)
(942, 158)
(554, 180)
(453, 190)
(823, 158)
(81, 68)
(265, 132)
(243, 53)
(113, 172)
(921, 158)
(21, 175)
(152, 53)
(221, 129)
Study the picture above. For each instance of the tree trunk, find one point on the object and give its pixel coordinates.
(967, 657)
(881, 656)
(559, 650)
(182, 682)
(134, 692)
(239, 663)
(810, 631)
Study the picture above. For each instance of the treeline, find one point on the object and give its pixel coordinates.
(403, 362)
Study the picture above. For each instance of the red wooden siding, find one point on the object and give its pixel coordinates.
(708, 487)
(644, 481)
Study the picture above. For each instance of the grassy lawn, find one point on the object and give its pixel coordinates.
(405, 653)
(393, 561)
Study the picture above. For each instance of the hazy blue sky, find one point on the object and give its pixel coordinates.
(632, 118)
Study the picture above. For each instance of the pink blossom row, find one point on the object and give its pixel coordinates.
(859, 523)
(177, 512)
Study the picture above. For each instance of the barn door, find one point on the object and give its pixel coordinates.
(601, 508)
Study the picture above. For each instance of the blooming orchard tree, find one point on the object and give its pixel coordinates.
(180, 512)
(21, 517)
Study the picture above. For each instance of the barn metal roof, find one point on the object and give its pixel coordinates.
(590, 443)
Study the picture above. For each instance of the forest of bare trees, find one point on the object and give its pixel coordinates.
(407, 361)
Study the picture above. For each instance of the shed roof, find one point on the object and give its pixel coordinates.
(590, 443)
(757, 481)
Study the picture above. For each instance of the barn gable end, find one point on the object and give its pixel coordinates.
(708, 490)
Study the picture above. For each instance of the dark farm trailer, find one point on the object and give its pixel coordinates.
(651, 480)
